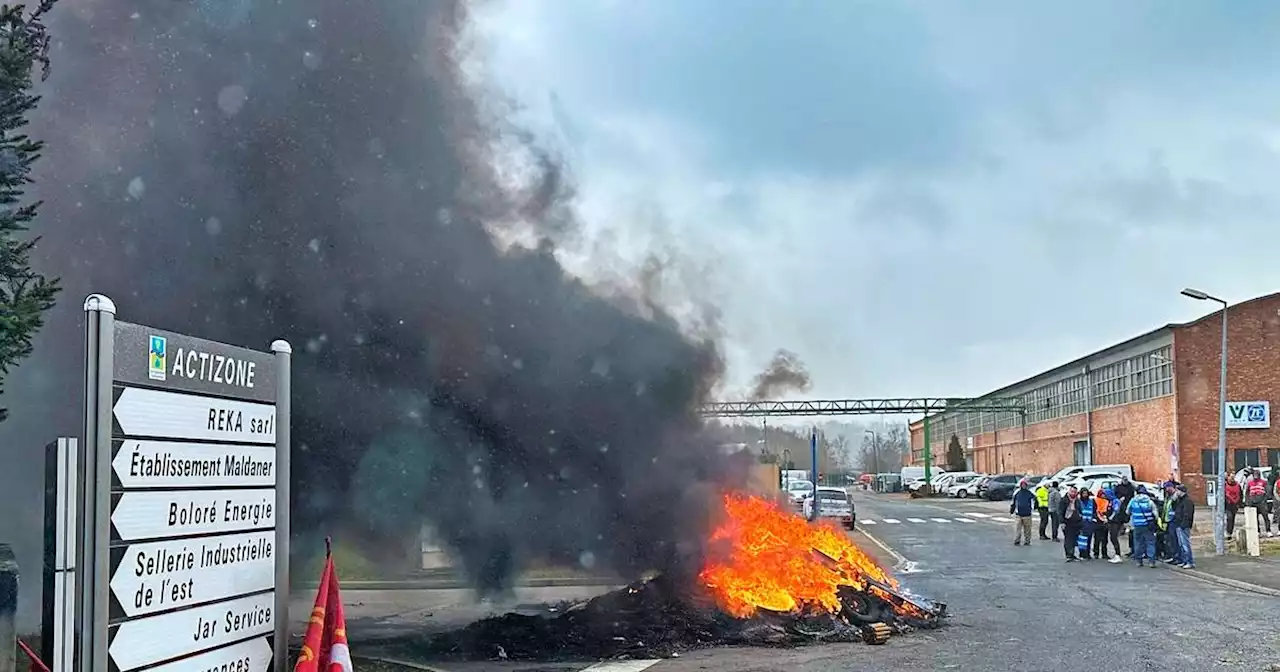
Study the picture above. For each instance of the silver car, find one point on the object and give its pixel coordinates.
(835, 504)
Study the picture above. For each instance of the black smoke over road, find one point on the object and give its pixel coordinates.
(250, 170)
(785, 373)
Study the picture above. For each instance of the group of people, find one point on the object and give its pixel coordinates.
(1158, 528)
(1257, 492)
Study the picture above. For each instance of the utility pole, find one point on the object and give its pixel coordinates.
(1219, 504)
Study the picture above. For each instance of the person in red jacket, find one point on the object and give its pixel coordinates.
(1234, 498)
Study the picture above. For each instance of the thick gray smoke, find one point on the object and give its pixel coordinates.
(785, 373)
(248, 170)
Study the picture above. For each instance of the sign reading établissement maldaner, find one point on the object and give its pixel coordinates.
(193, 504)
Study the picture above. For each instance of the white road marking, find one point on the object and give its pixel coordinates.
(975, 514)
(899, 558)
(868, 522)
(892, 521)
(622, 666)
(999, 520)
(965, 520)
(940, 520)
(916, 520)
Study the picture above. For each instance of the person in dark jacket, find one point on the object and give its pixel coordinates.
(1072, 519)
(1117, 516)
(1024, 501)
(1184, 516)
(1124, 490)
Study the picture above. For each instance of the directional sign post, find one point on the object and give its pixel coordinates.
(186, 498)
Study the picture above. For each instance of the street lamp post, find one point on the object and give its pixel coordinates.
(1219, 508)
(875, 450)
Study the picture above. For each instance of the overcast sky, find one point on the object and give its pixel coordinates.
(919, 198)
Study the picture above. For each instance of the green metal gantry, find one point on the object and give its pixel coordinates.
(928, 406)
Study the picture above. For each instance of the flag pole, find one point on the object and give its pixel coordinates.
(328, 547)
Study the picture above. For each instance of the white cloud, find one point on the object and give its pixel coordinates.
(916, 199)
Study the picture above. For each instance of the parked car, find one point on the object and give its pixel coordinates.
(1265, 471)
(835, 504)
(798, 491)
(939, 482)
(1001, 486)
(1077, 470)
(965, 485)
(1087, 480)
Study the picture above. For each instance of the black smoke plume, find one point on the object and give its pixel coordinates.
(785, 373)
(319, 171)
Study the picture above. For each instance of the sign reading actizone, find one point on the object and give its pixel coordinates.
(187, 451)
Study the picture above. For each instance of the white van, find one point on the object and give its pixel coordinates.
(1076, 471)
(912, 474)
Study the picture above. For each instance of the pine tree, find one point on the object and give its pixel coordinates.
(955, 455)
(24, 294)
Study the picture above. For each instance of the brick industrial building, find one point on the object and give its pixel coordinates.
(1150, 401)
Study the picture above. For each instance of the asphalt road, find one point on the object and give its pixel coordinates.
(1013, 608)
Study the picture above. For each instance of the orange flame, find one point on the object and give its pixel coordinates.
(769, 560)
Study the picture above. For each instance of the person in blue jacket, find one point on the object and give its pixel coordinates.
(1024, 502)
(1142, 516)
(1087, 512)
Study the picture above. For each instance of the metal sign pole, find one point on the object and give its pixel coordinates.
(283, 352)
(93, 562)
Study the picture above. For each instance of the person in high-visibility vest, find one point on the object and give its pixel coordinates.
(1042, 507)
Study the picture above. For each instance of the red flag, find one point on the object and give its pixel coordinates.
(324, 648)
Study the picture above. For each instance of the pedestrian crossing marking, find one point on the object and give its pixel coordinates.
(894, 521)
(622, 666)
(975, 514)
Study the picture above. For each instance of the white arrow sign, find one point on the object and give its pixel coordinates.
(159, 638)
(185, 513)
(250, 656)
(172, 415)
(166, 464)
(167, 574)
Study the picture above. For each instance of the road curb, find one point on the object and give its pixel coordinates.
(1231, 583)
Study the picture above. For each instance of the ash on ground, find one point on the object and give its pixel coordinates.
(658, 619)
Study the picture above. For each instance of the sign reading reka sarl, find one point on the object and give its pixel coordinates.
(189, 511)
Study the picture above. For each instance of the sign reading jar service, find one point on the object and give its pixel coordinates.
(1248, 415)
(193, 533)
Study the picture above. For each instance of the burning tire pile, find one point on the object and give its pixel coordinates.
(772, 580)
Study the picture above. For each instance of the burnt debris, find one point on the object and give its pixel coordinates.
(660, 618)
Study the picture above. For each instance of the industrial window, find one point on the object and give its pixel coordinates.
(1111, 385)
(1041, 403)
(1209, 461)
(1152, 375)
(1073, 395)
(1273, 457)
(1245, 457)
